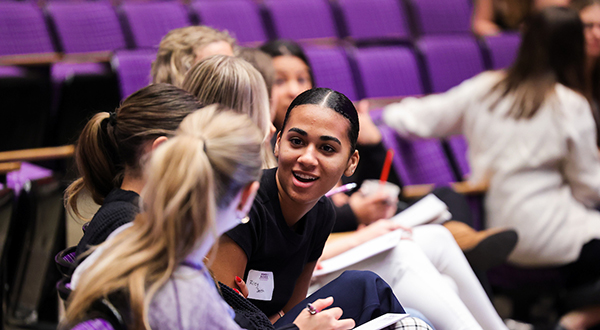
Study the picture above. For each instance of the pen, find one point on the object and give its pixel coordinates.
(311, 309)
(340, 189)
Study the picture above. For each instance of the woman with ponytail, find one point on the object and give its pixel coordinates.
(110, 152)
(199, 184)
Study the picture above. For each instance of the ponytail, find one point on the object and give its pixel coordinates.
(189, 177)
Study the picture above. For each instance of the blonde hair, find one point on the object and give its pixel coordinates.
(236, 84)
(177, 51)
(214, 155)
(109, 143)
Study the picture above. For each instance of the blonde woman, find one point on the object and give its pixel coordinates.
(181, 48)
(236, 84)
(199, 185)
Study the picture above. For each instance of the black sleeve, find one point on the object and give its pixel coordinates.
(345, 220)
(323, 227)
(290, 326)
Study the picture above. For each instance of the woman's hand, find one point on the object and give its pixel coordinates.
(378, 228)
(369, 209)
(369, 134)
(328, 319)
(243, 288)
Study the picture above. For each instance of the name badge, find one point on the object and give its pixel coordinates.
(260, 285)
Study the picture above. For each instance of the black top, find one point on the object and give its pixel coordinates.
(272, 246)
(120, 207)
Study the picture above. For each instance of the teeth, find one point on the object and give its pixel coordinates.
(305, 177)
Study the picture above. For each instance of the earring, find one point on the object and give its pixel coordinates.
(245, 219)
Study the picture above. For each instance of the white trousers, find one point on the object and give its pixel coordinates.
(430, 274)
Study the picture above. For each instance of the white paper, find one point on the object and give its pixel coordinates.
(381, 322)
(260, 285)
(359, 253)
(429, 209)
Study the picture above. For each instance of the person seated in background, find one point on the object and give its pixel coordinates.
(151, 272)
(531, 132)
(181, 48)
(490, 17)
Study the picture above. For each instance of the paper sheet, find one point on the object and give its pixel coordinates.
(429, 209)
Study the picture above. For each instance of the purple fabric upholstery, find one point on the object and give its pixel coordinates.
(27, 173)
(240, 17)
(302, 19)
(86, 26)
(149, 21)
(388, 71)
(331, 69)
(133, 69)
(458, 150)
(62, 71)
(503, 49)
(12, 71)
(95, 324)
(22, 29)
(450, 60)
(442, 16)
(375, 20)
(419, 161)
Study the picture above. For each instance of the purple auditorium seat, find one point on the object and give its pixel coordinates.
(86, 26)
(22, 29)
(503, 49)
(450, 60)
(418, 161)
(331, 69)
(133, 69)
(388, 71)
(95, 324)
(149, 21)
(301, 19)
(458, 151)
(28, 172)
(375, 20)
(441, 16)
(240, 17)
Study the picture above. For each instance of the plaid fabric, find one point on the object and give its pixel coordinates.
(411, 323)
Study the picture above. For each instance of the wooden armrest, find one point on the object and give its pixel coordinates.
(335, 236)
(9, 167)
(30, 59)
(464, 187)
(380, 102)
(37, 154)
(94, 57)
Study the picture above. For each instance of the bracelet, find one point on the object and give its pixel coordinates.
(280, 314)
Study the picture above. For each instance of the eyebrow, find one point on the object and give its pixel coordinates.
(323, 137)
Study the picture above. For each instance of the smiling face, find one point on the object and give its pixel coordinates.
(313, 151)
(591, 21)
(292, 77)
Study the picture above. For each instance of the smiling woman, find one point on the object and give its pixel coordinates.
(276, 252)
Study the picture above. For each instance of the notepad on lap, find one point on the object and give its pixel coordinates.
(429, 209)
(359, 253)
(382, 322)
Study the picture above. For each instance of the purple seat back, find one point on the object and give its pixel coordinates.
(458, 151)
(450, 60)
(94, 324)
(375, 20)
(419, 161)
(86, 26)
(503, 49)
(442, 16)
(133, 69)
(149, 21)
(12, 71)
(22, 29)
(301, 19)
(512, 277)
(331, 69)
(27, 173)
(240, 17)
(388, 71)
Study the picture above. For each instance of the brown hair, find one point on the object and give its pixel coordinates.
(189, 178)
(262, 62)
(111, 143)
(177, 52)
(552, 51)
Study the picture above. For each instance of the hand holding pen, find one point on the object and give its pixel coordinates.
(316, 316)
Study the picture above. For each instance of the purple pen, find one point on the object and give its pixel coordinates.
(340, 189)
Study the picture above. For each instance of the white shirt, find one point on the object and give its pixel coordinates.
(544, 172)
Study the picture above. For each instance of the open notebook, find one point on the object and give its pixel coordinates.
(427, 210)
(385, 321)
